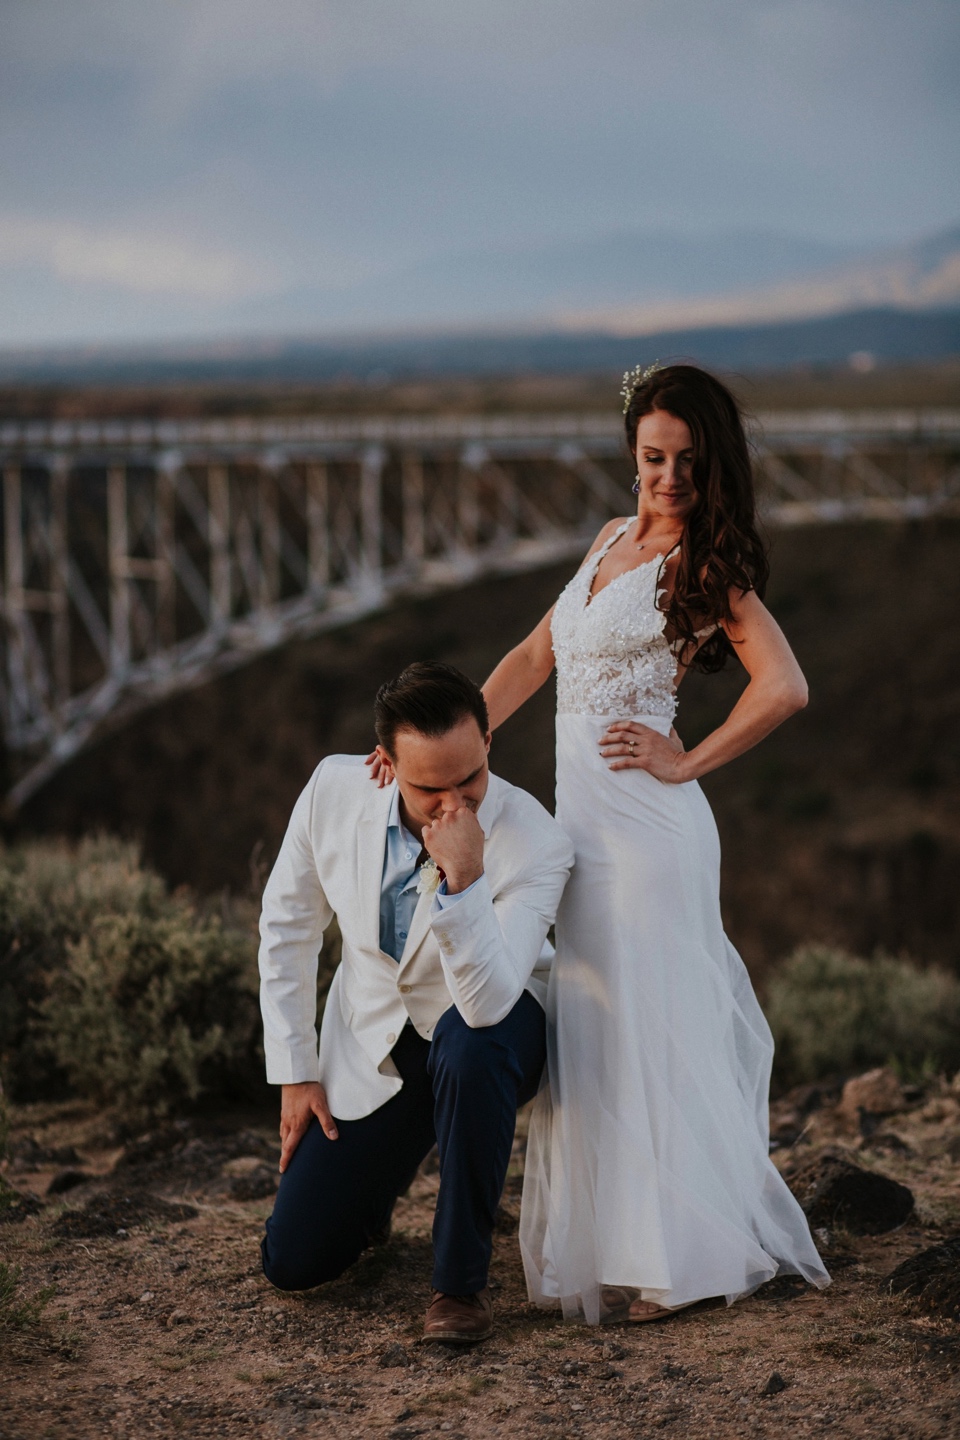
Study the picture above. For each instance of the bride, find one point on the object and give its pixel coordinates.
(648, 1185)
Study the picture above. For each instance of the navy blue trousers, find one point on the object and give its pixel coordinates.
(461, 1091)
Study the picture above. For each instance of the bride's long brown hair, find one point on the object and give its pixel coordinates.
(721, 549)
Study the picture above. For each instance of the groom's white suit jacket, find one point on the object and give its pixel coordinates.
(479, 954)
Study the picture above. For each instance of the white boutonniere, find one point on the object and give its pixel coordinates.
(430, 877)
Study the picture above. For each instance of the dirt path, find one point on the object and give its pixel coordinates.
(165, 1325)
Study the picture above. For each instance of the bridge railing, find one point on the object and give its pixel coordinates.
(140, 558)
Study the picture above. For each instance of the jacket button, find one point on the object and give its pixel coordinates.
(405, 989)
(391, 1038)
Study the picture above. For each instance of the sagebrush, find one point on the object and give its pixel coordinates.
(152, 1010)
(835, 1014)
(115, 989)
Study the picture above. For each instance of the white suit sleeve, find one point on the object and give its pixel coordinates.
(489, 947)
(294, 916)
(445, 899)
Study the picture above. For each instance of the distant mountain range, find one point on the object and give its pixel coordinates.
(920, 276)
(744, 302)
(867, 337)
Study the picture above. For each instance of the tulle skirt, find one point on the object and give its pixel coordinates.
(647, 1162)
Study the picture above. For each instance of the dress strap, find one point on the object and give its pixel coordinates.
(590, 564)
(612, 539)
(590, 567)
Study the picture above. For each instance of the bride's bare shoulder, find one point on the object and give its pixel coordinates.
(611, 527)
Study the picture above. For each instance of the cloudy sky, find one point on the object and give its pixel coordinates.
(168, 167)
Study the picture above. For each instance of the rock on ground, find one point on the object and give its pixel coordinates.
(933, 1276)
(835, 1193)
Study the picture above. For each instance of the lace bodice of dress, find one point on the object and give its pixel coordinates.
(612, 655)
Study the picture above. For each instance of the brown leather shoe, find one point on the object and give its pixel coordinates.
(459, 1319)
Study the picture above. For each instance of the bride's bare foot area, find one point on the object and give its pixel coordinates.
(648, 1310)
(615, 1301)
(621, 1302)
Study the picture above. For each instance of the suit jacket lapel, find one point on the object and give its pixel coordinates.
(419, 926)
(490, 805)
(371, 843)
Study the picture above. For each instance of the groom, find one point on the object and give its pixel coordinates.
(444, 885)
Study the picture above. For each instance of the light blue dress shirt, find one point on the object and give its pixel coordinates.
(398, 885)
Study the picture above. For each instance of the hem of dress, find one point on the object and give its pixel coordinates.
(575, 1311)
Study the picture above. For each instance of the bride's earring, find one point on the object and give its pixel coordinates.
(636, 484)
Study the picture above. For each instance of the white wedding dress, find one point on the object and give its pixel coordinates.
(647, 1163)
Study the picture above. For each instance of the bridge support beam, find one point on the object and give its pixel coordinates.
(143, 560)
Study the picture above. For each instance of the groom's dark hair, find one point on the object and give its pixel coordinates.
(428, 697)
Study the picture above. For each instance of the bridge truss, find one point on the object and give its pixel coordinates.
(140, 559)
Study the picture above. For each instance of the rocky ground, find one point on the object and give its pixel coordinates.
(162, 1324)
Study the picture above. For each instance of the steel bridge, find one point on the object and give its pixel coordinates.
(142, 558)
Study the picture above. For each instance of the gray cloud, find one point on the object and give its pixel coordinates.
(321, 142)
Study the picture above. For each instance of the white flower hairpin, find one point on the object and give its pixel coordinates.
(637, 376)
(430, 877)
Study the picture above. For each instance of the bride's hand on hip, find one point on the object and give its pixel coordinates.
(628, 745)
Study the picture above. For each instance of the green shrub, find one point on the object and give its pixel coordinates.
(153, 1009)
(49, 895)
(112, 988)
(835, 1014)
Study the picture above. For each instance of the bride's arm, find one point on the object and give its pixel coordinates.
(521, 671)
(776, 691)
(525, 668)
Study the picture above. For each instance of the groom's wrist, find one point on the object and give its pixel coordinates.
(457, 880)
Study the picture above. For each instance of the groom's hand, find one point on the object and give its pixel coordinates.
(298, 1105)
(455, 841)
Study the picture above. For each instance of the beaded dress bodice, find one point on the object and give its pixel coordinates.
(612, 655)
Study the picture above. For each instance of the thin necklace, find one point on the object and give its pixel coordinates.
(642, 544)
